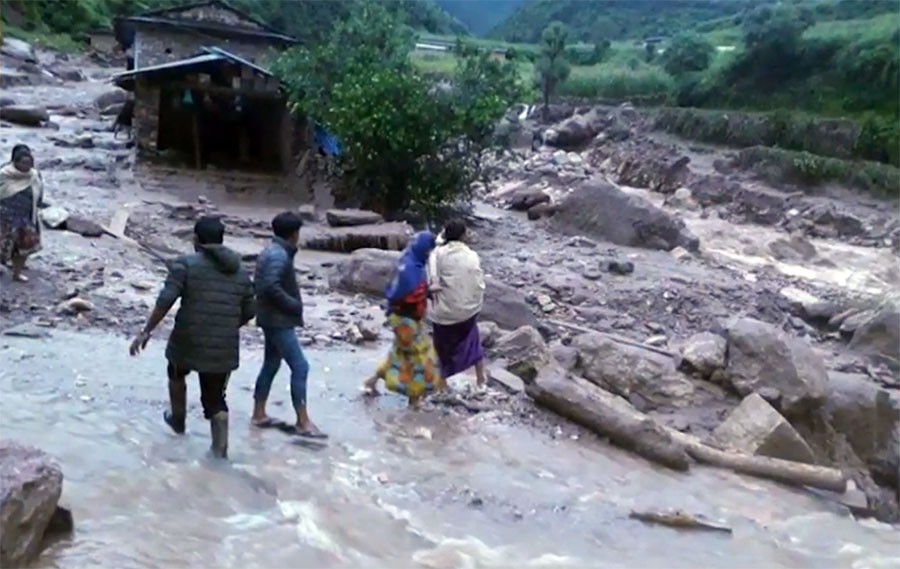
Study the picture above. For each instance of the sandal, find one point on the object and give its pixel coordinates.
(313, 433)
(269, 423)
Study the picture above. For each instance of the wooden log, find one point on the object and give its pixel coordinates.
(613, 337)
(610, 416)
(786, 471)
(607, 415)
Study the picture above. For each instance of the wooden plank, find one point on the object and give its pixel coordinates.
(118, 222)
(195, 131)
(614, 337)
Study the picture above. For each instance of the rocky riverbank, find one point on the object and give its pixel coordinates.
(655, 274)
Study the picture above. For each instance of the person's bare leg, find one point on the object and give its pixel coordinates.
(259, 412)
(481, 376)
(18, 265)
(370, 386)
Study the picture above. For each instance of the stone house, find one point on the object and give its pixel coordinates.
(200, 94)
(173, 34)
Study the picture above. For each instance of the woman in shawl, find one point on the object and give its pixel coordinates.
(21, 192)
(411, 367)
(457, 285)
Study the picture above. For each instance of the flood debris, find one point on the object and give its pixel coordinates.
(679, 519)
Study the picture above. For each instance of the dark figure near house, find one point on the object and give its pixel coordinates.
(124, 119)
(216, 300)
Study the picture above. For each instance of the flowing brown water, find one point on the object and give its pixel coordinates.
(392, 489)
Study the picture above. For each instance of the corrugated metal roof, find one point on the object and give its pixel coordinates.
(191, 61)
(237, 59)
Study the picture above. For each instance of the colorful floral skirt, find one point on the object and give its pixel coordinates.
(20, 236)
(411, 367)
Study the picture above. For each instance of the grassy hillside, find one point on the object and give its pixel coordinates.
(590, 20)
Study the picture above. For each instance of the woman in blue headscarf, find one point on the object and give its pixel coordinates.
(411, 367)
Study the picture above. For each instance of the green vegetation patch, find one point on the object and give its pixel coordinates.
(777, 165)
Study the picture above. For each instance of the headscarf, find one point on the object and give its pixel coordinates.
(13, 181)
(410, 273)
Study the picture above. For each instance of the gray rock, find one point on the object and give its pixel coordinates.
(756, 428)
(506, 306)
(83, 227)
(112, 97)
(524, 351)
(308, 213)
(621, 268)
(18, 49)
(565, 356)
(869, 418)
(576, 131)
(351, 217)
(30, 487)
(704, 353)
(541, 211)
(368, 271)
(488, 332)
(762, 356)
(527, 198)
(24, 115)
(7, 101)
(626, 370)
(878, 335)
(389, 236)
(603, 211)
(794, 248)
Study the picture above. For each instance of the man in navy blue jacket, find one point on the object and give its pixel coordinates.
(279, 313)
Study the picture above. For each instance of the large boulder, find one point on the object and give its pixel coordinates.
(506, 306)
(576, 131)
(628, 370)
(18, 49)
(112, 97)
(756, 428)
(869, 418)
(30, 487)
(368, 271)
(351, 217)
(24, 115)
(601, 210)
(524, 351)
(704, 353)
(879, 335)
(763, 359)
(527, 198)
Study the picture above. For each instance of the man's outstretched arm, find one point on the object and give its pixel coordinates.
(172, 290)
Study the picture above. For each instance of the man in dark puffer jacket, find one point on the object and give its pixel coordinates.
(280, 313)
(216, 300)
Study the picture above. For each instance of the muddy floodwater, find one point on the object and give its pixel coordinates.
(392, 489)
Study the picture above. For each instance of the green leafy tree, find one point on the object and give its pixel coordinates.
(409, 143)
(688, 53)
(773, 38)
(552, 68)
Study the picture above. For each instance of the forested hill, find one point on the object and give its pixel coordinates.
(480, 16)
(594, 20)
(308, 20)
(614, 19)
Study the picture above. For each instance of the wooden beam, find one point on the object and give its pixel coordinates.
(228, 91)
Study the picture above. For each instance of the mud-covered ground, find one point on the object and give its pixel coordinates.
(747, 263)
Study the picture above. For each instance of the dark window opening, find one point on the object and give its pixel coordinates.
(168, 51)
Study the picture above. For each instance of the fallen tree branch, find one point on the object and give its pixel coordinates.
(610, 416)
(787, 471)
(613, 337)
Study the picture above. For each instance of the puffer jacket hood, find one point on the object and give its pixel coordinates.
(225, 259)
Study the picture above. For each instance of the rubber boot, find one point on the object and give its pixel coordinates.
(218, 428)
(174, 417)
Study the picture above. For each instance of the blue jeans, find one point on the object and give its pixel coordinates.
(282, 344)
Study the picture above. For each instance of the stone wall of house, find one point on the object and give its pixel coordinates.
(146, 116)
(214, 14)
(154, 46)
